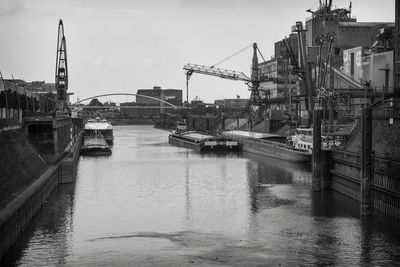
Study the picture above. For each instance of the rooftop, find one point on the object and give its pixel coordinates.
(365, 24)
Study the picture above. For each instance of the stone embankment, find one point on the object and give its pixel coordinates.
(27, 181)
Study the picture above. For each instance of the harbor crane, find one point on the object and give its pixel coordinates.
(257, 103)
(61, 73)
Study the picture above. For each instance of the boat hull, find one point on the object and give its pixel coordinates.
(269, 145)
(183, 143)
(95, 145)
(95, 151)
(204, 145)
(275, 151)
(109, 139)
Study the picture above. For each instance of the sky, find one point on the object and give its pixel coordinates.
(119, 46)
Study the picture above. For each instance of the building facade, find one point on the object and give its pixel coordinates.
(146, 107)
(347, 32)
(282, 79)
(173, 96)
(234, 103)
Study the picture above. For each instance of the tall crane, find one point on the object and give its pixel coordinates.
(61, 74)
(256, 103)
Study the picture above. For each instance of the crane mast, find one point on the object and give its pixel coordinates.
(255, 98)
(61, 73)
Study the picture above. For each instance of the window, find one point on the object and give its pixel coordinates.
(352, 63)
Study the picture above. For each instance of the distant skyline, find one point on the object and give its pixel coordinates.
(125, 45)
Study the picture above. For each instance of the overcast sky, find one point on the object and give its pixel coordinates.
(123, 45)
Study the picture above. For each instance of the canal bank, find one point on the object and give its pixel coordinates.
(31, 182)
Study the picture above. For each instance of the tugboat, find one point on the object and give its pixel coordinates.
(201, 142)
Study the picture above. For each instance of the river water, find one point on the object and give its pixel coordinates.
(153, 204)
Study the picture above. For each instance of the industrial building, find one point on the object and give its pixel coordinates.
(173, 96)
(396, 35)
(232, 103)
(18, 95)
(361, 54)
(146, 107)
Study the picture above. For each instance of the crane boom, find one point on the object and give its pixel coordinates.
(256, 103)
(222, 73)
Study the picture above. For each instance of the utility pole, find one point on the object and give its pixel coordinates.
(366, 162)
(317, 152)
(188, 75)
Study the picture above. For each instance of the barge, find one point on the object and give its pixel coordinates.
(269, 145)
(202, 142)
(95, 145)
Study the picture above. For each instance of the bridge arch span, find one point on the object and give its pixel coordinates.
(126, 94)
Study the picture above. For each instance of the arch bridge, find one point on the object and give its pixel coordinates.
(169, 105)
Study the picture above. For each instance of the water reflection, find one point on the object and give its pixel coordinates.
(47, 239)
(263, 173)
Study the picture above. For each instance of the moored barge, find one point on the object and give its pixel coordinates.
(95, 145)
(269, 145)
(202, 142)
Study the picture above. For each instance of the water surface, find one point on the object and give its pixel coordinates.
(153, 204)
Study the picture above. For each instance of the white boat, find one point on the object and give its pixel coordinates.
(303, 139)
(99, 126)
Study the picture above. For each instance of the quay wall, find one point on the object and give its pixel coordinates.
(20, 164)
(345, 169)
(345, 177)
(17, 215)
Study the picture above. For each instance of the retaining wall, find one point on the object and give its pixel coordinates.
(345, 177)
(17, 215)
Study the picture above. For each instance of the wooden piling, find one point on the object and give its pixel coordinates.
(317, 153)
(366, 162)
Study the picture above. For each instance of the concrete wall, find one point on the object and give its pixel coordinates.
(17, 215)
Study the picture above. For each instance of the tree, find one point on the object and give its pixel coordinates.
(95, 102)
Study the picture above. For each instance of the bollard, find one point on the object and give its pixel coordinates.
(366, 162)
(316, 153)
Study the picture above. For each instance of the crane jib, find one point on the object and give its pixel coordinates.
(223, 73)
